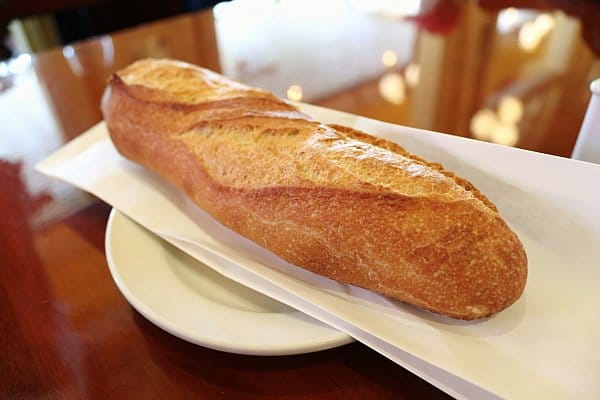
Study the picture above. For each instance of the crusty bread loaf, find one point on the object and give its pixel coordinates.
(333, 200)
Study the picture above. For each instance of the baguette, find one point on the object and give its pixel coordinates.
(330, 199)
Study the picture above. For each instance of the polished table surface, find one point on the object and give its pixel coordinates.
(516, 73)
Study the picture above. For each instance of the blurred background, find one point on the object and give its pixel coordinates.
(502, 71)
(515, 73)
(36, 25)
(511, 72)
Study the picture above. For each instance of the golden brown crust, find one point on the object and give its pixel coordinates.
(331, 199)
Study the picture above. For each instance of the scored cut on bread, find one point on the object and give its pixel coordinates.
(336, 201)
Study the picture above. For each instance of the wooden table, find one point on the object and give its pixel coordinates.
(67, 332)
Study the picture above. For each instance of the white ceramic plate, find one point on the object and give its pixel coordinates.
(193, 302)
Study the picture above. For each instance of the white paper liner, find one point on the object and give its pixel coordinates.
(547, 345)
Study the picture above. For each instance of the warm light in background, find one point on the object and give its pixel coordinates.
(509, 19)
(412, 75)
(534, 31)
(510, 109)
(294, 93)
(512, 15)
(529, 39)
(544, 23)
(482, 124)
(499, 126)
(389, 58)
(504, 133)
(392, 88)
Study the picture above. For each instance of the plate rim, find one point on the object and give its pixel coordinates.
(335, 339)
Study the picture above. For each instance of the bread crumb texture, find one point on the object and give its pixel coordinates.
(331, 199)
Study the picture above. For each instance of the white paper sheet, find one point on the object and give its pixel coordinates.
(547, 345)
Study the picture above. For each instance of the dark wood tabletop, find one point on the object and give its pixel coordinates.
(516, 73)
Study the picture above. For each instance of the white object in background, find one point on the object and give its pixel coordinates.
(275, 44)
(587, 147)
